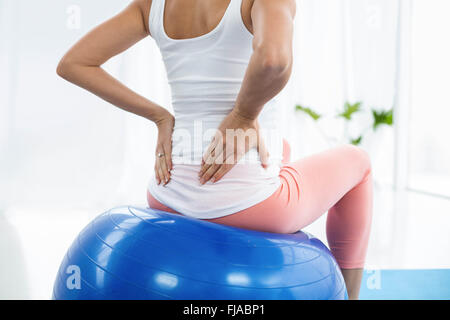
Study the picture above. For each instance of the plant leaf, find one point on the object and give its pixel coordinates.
(382, 117)
(349, 110)
(316, 116)
(356, 141)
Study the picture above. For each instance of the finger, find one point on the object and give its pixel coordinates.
(224, 169)
(158, 179)
(218, 160)
(158, 151)
(210, 149)
(209, 173)
(168, 155)
(165, 172)
(160, 173)
(211, 159)
(205, 166)
(207, 161)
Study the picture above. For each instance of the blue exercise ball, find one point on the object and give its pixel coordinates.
(134, 253)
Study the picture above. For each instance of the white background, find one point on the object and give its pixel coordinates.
(66, 156)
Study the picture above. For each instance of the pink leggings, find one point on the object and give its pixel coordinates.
(338, 180)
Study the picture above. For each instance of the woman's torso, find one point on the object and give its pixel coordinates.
(206, 61)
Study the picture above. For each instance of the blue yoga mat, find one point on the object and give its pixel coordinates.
(433, 284)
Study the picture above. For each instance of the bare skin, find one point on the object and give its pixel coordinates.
(352, 278)
(270, 22)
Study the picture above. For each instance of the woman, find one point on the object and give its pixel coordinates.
(221, 157)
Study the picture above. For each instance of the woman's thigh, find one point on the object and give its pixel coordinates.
(325, 178)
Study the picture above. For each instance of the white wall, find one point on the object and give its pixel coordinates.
(63, 147)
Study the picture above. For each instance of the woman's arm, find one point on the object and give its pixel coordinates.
(268, 72)
(270, 66)
(81, 65)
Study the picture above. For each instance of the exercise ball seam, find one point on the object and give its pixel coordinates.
(261, 233)
(338, 293)
(115, 276)
(60, 275)
(206, 282)
(225, 262)
(192, 279)
(84, 281)
(89, 258)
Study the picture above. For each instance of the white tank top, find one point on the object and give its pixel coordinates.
(205, 74)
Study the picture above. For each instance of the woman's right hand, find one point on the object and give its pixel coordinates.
(163, 156)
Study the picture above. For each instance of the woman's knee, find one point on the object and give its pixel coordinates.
(286, 152)
(359, 158)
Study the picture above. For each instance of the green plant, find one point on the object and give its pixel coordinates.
(349, 110)
(356, 141)
(382, 117)
(379, 117)
(309, 112)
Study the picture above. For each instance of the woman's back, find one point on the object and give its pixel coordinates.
(193, 18)
(206, 63)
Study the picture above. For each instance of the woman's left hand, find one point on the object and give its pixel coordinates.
(163, 161)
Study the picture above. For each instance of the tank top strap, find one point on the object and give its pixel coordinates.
(235, 27)
(155, 18)
(235, 9)
(232, 20)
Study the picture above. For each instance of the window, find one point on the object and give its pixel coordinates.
(429, 127)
